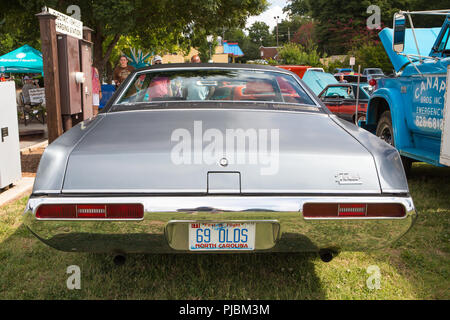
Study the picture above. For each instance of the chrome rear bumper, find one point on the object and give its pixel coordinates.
(280, 225)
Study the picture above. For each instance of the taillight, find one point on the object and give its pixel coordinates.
(90, 211)
(373, 82)
(347, 210)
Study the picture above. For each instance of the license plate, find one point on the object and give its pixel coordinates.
(221, 236)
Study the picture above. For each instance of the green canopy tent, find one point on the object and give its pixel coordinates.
(22, 60)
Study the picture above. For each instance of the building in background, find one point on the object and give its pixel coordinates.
(269, 52)
(225, 53)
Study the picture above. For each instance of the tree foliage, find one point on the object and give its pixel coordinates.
(373, 55)
(154, 24)
(339, 23)
(259, 33)
(293, 53)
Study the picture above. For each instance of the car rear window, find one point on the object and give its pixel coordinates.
(212, 85)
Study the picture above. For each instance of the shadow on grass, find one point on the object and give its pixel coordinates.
(422, 255)
(24, 259)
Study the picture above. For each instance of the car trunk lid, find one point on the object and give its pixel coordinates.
(175, 151)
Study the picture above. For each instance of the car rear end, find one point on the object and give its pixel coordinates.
(155, 180)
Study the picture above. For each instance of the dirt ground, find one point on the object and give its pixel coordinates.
(30, 161)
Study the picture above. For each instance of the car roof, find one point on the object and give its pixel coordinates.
(211, 65)
(346, 84)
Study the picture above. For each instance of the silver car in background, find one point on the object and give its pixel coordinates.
(218, 158)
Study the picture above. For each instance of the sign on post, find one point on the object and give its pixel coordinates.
(352, 61)
(67, 25)
(37, 96)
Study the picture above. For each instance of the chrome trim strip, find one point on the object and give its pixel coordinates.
(228, 221)
(157, 233)
(169, 204)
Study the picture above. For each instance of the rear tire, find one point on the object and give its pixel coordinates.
(384, 128)
(385, 132)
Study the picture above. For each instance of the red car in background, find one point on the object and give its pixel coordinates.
(300, 70)
(341, 100)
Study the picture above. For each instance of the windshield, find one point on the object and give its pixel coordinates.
(374, 71)
(213, 85)
(344, 92)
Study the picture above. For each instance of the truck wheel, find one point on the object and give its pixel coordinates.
(386, 133)
(384, 128)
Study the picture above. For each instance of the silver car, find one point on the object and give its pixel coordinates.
(218, 158)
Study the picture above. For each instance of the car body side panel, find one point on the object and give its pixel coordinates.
(52, 166)
(388, 161)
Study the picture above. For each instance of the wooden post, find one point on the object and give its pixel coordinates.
(51, 75)
(87, 34)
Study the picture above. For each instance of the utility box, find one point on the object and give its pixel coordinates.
(86, 87)
(69, 74)
(10, 169)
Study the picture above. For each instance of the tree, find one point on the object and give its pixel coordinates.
(259, 33)
(304, 34)
(337, 22)
(373, 55)
(17, 27)
(296, 54)
(155, 24)
(288, 27)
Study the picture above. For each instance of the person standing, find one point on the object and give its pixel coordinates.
(26, 89)
(194, 91)
(341, 79)
(195, 59)
(122, 71)
(157, 60)
(96, 90)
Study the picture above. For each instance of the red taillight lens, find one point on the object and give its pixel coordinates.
(338, 210)
(125, 211)
(56, 211)
(90, 211)
(373, 82)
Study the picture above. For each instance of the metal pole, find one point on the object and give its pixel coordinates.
(276, 19)
(357, 95)
(415, 39)
(277, 32)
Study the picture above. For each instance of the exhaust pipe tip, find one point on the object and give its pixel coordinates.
(119, 259)
(327, 255)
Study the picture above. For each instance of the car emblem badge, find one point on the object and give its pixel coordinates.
(223, 162)
(347, 178)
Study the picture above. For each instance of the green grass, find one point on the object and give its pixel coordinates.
(416, 267)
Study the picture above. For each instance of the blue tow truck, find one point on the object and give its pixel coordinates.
(411, 110)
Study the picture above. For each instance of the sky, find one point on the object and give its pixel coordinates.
(275, 9)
